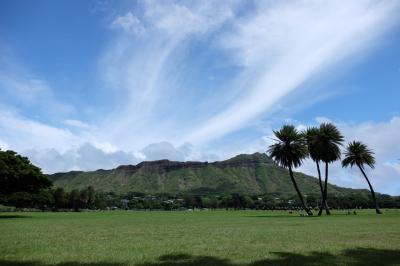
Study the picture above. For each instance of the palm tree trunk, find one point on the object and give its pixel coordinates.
(320, 179)
(324, 204)
(378, 211)
(298, 193)
(322, 192)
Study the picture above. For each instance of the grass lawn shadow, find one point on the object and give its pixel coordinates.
(14, 216)
(72, 263)
(355, 257)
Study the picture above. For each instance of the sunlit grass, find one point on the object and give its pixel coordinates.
(241, 237)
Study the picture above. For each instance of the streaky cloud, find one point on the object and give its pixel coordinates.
(285, 44)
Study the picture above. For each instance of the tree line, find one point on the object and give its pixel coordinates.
(323, 145)
(57, 199)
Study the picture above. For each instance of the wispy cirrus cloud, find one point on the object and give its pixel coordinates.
(283, 45)
(149, 68)
(128, 23)
(269, 51)
(22, 88)
(76, 123)
(32, 92)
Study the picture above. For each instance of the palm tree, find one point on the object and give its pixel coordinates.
(327, 148)
(357, 153)
(289, 152)
(310, 135)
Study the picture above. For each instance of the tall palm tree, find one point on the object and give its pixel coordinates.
(310, 135)
(289, 152)
(357, 153)
(327, 148)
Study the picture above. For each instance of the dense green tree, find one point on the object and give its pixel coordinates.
(386, 201)
(397, 200)
(213, 202)
(327, 149)
(289, 152)
(247, 202)
(18, 174)
(358, 154)
(312, 200)
(226, 201)
(74, 199)
(236, 201)
(91, 197)
(100, 201)
(83, 198)
(60, 198)
(20, 199)
(43, 199)
(190, 201)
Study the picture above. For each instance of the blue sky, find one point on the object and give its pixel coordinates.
(96, 84)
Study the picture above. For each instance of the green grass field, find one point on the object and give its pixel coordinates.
(223, 238)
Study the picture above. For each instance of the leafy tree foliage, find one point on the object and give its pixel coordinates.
(18, 174)
(60, 198)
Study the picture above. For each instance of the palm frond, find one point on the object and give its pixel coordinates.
(357, 153)
(326, 143)
(310, 135)
(290, 150)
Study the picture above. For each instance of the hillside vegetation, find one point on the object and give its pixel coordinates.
(246, 173)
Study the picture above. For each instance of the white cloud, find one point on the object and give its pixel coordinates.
(163, 150)
(129, 23)
(322, 119)
(184, 18)
(4, 145)
(93, 156)
(84, 157)
(106, 147)
(76, 123)
(22, 133)
(22, 88)
(380, 136)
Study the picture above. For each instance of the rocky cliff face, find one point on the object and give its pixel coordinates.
(246, 160)
(242, 160)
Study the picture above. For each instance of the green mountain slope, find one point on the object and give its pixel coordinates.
(249, 174)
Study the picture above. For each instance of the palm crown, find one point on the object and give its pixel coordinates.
(327, 143)
(290, 149)
(309, 135)
(357, 153)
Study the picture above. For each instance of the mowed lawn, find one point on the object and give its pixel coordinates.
(147, 238)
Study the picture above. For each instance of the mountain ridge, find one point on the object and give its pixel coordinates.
(245, 173)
